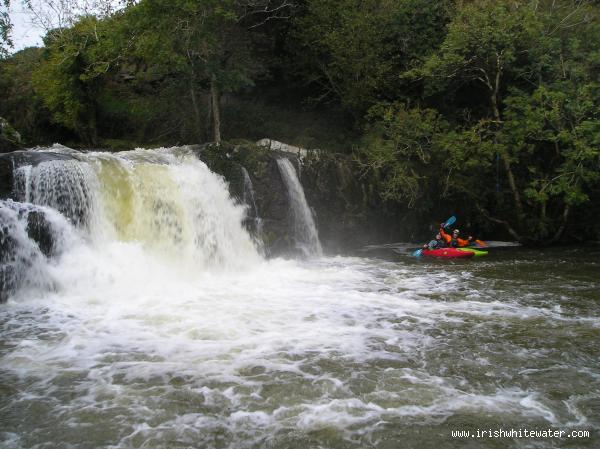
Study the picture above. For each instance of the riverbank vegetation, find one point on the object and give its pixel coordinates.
(483, 108)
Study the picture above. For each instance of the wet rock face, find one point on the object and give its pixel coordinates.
(350, 214)
(6, 176)
(27, 238)
(346, 209)
(273, 205)
(338, 199)
(270, 192)
(39, 229)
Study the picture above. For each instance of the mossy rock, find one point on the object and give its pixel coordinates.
(10, 139)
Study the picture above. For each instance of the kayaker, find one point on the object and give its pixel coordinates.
(461, 242)
(454, 241)
(435, 244)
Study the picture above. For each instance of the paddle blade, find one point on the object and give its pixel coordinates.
(481, 243)
(449, 222)
(418, 253)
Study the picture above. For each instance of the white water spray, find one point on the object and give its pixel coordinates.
(29, 234)
(166, 200)
(250, 199)
(306, 234)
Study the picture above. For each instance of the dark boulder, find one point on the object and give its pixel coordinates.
(40, 230)
(6, 176)
(13, 256)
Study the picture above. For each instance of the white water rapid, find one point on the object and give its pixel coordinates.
(306, 234)
(157, 325)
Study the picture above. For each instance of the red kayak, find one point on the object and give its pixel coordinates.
(447, 253)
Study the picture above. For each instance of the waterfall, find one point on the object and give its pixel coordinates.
(29, 236)
(305, 230)
(250, 199)
(63, 185)
(162, 204)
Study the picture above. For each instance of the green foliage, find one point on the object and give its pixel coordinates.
(5, 28)
(401, 150)
(20, 104)
(486, 108)
(555, 134)
(69, 78)
(538, 115)
(198, 38)
(356, 49)
(145, 69)
(486, 40)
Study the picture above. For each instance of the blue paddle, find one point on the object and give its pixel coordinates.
(417, 253)
(449, 222)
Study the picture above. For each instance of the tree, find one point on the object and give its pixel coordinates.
(81, 47)
(60, 14)
(20, 104)
(70, 76)
(5, 28)
(483, 44)
(176, 51)
(556, 132)
(401, 150)
(353, 50)
(207, 43)
(539, 80)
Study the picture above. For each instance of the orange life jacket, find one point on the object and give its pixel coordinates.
(448, 239)
(463, 242)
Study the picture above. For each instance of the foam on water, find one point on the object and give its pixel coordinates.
(254, 355)
(166, 329)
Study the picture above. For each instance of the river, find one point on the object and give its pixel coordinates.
(125, 346)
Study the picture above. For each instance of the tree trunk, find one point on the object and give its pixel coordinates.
(216, 109)
(518, 237)
(198, 119)
(94, 128)
(506, 161)
(513, 185)
(561, 229)
(87, 129)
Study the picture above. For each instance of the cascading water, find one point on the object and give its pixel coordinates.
(29, 235)
(151, 322)
(165, 200)
(305, 230)
(250, 200)
(65, 186)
